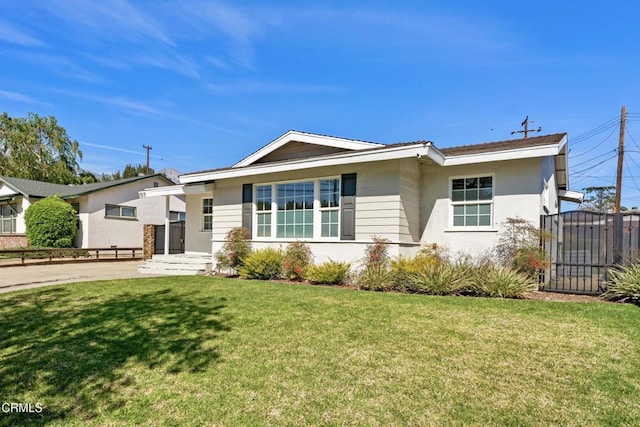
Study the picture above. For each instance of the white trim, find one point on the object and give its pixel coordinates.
(521, 153)
(571, 196)
(308, 138)
(417, 150)
(169, 190)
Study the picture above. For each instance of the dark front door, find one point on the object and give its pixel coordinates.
(176, 238)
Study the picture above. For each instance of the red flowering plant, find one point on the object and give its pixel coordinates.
(297, 259)
(377, 253)
(520, 247)
(236, 248)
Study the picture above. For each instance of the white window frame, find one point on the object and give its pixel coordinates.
(120, 208)
(13, 218)
(204, 215)
(490, 202)
(317, 210)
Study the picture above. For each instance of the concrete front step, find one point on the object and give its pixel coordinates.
(177, 265)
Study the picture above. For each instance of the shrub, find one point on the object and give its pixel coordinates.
(51, 223)
(501, 282)
(624, 283)
(402, 267)
(297, 258)
(519, 247)
(440, 279)
(329, 273)
(263, 264)
(375, 277)
(236, 248)
(377, 253)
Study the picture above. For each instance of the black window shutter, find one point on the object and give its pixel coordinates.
(348, 207)
(247, 206)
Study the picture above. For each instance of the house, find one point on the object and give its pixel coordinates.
(109, 213)
(336, 194)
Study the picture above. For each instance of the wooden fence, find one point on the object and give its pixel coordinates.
(13, 257)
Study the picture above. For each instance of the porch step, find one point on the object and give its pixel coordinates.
(177, 265)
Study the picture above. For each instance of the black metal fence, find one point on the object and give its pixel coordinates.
(581, 246)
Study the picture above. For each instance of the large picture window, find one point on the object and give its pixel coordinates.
(298, 210)
(472, 201)
(8, 215)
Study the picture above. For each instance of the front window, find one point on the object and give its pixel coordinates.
(295, 210)
(298, 210)
(8, 215)
(120, 211)
(472, 200)
(207, 214)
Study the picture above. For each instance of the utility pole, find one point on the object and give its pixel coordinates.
(148, 148)
(623, 121)
(525, 125)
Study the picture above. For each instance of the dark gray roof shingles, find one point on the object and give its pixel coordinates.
(33, 188)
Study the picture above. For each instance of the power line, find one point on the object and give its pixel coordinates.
(595, 131)
(594, 158)
(595, 146)
(590, 168)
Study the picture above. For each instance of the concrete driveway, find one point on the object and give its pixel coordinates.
(32, 276)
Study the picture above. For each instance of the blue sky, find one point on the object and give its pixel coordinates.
(205, 83)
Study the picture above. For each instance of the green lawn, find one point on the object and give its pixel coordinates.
(208, 351)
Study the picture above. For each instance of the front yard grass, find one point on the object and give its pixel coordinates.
(211, 351)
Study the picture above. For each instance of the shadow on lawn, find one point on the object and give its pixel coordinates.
(72, 350)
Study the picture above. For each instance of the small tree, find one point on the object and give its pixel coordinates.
(519, 247)
(236, 248)
(51, 223)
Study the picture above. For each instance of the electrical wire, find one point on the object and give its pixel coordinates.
(591, 168)
(595, 158)
(595, 146)
(595, 131)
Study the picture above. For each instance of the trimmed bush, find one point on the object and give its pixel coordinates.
(236, 248)
(51, 223)
(501, 282)
(329, 273)
(263, 264)
(624, 284)
(375, 277)
(297, 258)
(440, 279)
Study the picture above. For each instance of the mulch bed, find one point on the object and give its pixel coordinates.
(563, 297)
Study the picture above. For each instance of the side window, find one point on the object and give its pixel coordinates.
(207, 214)
(472, 201)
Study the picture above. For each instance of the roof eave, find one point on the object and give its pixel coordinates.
(415, 150)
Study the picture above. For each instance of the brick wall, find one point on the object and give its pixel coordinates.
(8, 241)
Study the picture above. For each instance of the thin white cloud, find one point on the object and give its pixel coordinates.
(110, 19)
(9, 33)
(264, 87)
(112, 148)
(15, 96)
(60, 65)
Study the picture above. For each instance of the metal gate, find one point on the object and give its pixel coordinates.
(176, 238)
(581, 246)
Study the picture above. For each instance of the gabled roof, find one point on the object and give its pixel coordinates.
(294, 136)
(539, 146)
(31, 188)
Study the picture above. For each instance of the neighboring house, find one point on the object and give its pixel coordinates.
(336, 194)
(109, 213)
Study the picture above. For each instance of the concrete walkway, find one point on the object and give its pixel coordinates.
(33, 276)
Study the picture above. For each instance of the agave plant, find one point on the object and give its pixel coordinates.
(502, 282)
(624, 283)
(440, 279)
